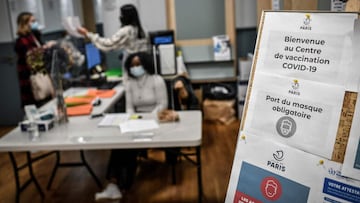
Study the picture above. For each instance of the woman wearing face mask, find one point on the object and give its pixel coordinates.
(145, 92)
(29, 37)
(130, 38)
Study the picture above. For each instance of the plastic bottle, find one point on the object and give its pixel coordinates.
(33, 130)
(181, 68)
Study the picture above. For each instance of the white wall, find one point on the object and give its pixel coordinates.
(53, 15)
(18, 6)
(56, 10)
(152, 14)
(66, 8)
(6, 33)
(49, 13)
(246, 13)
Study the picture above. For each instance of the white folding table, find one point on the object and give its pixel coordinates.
(83, 133)
(106, 105)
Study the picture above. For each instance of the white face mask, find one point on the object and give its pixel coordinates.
(137, 71)
(34, 25)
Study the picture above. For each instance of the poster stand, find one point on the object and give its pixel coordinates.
(347, 111)
(307, 58)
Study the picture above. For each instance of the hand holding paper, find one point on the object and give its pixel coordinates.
(71, 25)
(82, 30)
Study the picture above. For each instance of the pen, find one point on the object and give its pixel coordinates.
(96, 102)
(135, 116)
(96, 115)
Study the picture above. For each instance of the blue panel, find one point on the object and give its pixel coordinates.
(92, 55)
(341, 190)
(251, 178)
(163, 40)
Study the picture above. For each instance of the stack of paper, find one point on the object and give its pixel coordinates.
(138, 125)
(71, 24)
(114, 119)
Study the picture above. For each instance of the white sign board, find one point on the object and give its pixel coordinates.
(296, 112)
(300, 113)
(313, 46)
(274, 172)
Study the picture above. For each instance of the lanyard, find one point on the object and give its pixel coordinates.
(36, 41)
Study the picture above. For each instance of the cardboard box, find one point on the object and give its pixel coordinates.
(43, 125)
(219, 110)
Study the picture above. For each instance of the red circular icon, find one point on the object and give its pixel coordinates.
(271, 188)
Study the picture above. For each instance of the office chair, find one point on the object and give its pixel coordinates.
(179, 103)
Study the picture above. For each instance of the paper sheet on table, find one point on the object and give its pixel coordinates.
(113, 119)
(138, 125)
(71, 23)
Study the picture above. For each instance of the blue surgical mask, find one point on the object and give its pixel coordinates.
(137, 71)
(34, 25)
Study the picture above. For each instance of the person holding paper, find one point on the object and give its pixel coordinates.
(145, 92)
(130, 37)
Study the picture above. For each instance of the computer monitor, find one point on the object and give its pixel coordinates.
(162, 37)
(93, 57)
(163, 49)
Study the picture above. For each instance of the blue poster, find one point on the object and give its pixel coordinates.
(357, 159)
(341, 190)
(258, 185)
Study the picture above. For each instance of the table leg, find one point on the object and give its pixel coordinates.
(197, 163)
(198, 160)
(16, 175)
(17, 168)
(32, 177)
(89, 169)
(52, 176)
(75, 164)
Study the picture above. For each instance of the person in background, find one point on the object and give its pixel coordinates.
(185, 98)
(77, 58)
(131, 37)
(145, 92)
(29, 37)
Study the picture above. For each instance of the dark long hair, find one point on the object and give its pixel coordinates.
(146, 61)
(129, 16)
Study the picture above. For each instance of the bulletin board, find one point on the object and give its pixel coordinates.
(348, 105)
(301, 118)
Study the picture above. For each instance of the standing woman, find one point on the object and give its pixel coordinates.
(130, 37)
(28, 39)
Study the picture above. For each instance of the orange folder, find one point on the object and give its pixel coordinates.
(79, 110)
(75, 101)
(101, 93)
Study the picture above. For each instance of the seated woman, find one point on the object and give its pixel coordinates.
(184, 97)
(145, 92)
